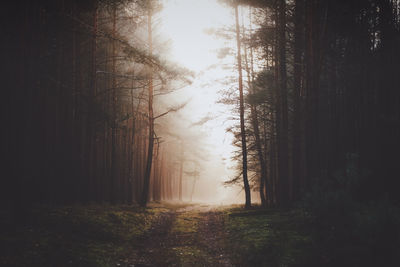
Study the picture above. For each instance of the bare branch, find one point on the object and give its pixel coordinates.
(172, 109)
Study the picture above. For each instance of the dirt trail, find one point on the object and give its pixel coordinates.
(213, 237)
(154, 247)
(190, 236)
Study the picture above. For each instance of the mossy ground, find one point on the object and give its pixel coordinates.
(186, 223)
(266, 237)
(161, 235)
(193, 246)
(89, 235)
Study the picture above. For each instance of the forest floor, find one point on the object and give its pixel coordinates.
(160, 235)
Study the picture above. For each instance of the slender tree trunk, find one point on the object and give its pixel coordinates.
(254, 121)
(180, 173)
(131, 147)
(163, 176)
(298, 179)
(92, 134)
(146, 186)
(193, 187)
(242, 127)
(74, 110)
(312, 68)
(114, 113)
(282, 109)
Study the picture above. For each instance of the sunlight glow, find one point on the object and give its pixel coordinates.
(185, 23)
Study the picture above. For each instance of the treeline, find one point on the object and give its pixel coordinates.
(324, 110)
(78, 78)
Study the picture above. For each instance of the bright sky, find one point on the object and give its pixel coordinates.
(184, 22)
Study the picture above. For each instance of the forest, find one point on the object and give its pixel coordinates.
(105, 158)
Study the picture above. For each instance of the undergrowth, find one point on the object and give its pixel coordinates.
(269, 237)
(90, 235)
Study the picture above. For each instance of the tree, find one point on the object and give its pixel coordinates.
(263, 188)
(145, 193)
(241, 110)
(282, 106)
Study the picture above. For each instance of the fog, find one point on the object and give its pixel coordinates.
(201, 125)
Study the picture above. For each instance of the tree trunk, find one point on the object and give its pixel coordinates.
(180, 173)
(298, 179)
(282, 109)
(254, 121)
(242, 127)
(92, 133)
(114, 111)
(146, 185)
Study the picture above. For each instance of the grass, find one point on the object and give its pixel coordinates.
(186, 223)
(185, 230)
(266, 237)
(104, 235)
(91, 235)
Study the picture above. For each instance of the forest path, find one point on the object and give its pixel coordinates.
(189, 236)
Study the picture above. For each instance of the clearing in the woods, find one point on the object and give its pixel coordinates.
(160, 235)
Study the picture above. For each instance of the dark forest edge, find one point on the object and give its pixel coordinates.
(85, 131)
(325, 106)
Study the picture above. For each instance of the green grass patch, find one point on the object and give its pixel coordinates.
(262, 237)
(89, 235)
(186, 223)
